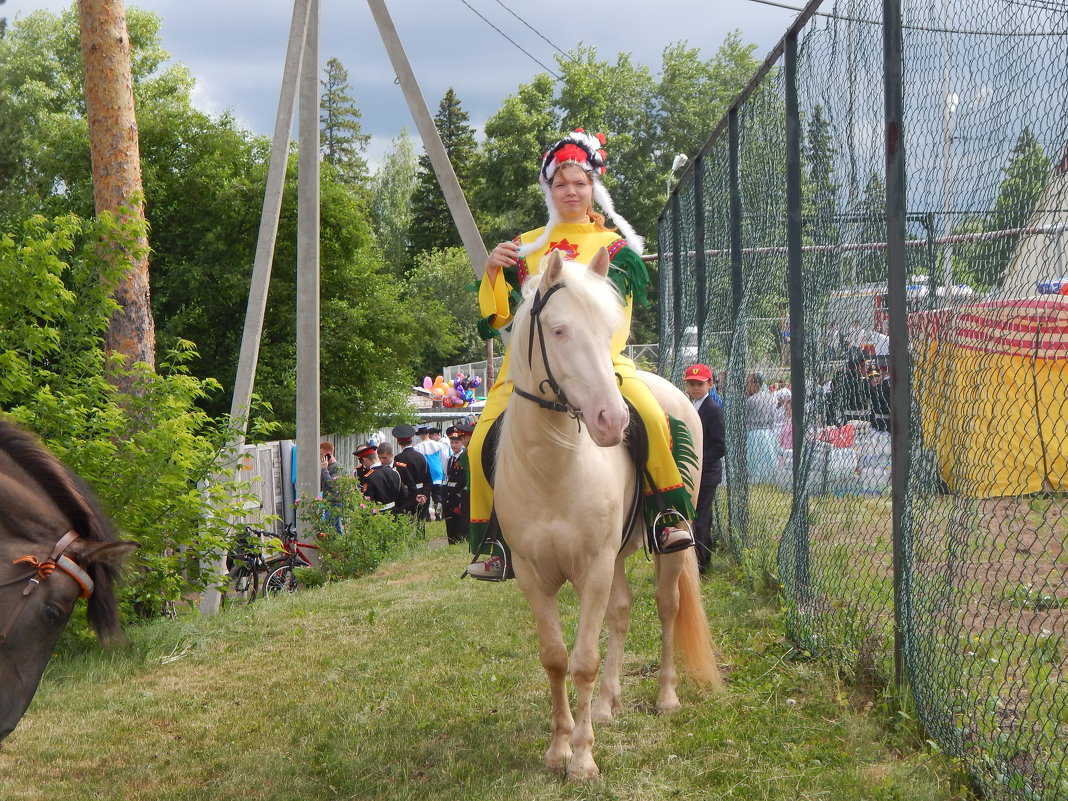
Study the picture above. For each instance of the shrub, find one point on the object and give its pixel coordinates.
(152, 457)
(367, 536)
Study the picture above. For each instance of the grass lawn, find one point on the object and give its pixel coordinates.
(412, 684)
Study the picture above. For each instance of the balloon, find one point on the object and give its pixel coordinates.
(427, 383)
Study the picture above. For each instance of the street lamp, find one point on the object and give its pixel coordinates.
(679, 162)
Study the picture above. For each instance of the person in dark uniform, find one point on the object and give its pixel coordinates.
(849, 393)
(379, 484)
(698, 382)
(454, 497)
(879, 398)
(413, 470)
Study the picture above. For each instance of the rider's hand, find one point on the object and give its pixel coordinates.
(504, 255)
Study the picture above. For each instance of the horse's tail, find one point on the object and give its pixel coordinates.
(692, 635)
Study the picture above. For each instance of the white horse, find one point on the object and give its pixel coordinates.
(562, 491)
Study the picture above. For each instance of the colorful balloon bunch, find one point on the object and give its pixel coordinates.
(458, 394)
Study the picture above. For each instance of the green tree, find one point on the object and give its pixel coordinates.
(442, 282)
(204, 181)
(693, 95)
(343, 140)
(509, 201)
(391, 202)
(819, 189)
(1026, 173)
(869, 266)
(432, 225)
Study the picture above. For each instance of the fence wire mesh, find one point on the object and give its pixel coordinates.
(981, 517)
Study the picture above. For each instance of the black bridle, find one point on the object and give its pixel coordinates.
(561, 404)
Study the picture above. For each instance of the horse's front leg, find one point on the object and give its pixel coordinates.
(553, 655)
(593, 589)
(667, 569)
(608, 703)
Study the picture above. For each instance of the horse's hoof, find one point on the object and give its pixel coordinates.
(583, 770)
(668, 706)
(606, 712)
(557, 760)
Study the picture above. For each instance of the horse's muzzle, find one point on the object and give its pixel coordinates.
(608, 424)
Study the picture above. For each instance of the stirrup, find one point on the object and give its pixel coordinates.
(658, 528)
(502, 556)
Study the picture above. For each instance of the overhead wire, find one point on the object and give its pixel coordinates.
(1055, 7)
(510, 39)
(536, 31)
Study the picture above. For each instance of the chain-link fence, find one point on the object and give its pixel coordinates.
(837, 358)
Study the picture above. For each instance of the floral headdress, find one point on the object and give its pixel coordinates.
(586, 151)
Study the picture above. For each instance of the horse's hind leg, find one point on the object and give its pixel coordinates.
(608, 703)
(667, 569)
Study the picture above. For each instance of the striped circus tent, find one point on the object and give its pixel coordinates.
(991, 382)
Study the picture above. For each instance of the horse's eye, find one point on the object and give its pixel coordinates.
(560, 331)
(55, 614)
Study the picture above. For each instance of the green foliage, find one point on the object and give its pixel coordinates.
(204, 181)
(368, 536)
(143, 453)
(442, 282)
(509, 200)
(391, 202)
(1026, 174)
(432, 224)
(343, 140)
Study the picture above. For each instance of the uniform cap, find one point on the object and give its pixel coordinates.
(697, 372)
(365, 450)
(404, 431)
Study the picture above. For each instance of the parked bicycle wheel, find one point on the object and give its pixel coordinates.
(243, 584)
(281, 579)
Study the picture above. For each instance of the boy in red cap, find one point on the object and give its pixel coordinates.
(697, 379)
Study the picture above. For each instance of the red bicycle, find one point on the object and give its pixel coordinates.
(280, 575)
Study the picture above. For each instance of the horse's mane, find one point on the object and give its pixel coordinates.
(78, 504)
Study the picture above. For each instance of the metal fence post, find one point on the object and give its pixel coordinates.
(897, 277)
(796, 296)
(699, 264)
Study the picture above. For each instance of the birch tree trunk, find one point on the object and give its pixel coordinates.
(116, 161)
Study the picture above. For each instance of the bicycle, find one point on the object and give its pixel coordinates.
(244, 565)
(281, 577)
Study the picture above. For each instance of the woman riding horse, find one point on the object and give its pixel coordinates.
(570, 179)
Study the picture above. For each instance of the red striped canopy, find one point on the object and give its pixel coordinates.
(1035, 328)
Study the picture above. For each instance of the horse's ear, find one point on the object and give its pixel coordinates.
(554, 268)
(88, 552)
(600, 262)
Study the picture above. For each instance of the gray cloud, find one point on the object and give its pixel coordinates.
(236, 48)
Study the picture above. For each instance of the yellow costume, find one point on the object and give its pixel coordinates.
(579, 241)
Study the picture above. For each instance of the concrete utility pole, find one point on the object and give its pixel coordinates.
(261, 269)
(272, 207)
(435, 150)
(308, 269)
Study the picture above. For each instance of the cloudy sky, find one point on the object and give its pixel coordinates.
(236, 48)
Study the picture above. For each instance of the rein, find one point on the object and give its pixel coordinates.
(561, 404)
(42, 571)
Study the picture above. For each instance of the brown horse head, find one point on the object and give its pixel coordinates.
(40, 502)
